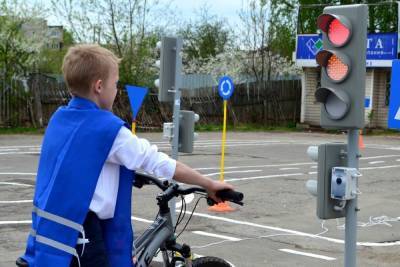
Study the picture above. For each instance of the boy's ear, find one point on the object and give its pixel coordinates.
(98, 86)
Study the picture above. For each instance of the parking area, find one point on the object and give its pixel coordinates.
(277, 226)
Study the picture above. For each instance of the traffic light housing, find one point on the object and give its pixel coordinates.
(328, 156)
(186, 130)
(170, 65)
(343, 66)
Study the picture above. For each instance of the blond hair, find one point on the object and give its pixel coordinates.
(84, 64)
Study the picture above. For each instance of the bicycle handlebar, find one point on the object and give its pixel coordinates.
(171, 191)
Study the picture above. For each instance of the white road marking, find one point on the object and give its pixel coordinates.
(258, 166)
(8, 149)
(18, 173)
(15, 222)
(140, 219)
(291, 232)
(314, 167)
(285, 169)
(397, 159)
(217, 236)
(15, 201)
(263, 177)
(218, 173)
(17, 184)
(379, 157)
(381, 167)
(286, 164)
(229, 145)
(188, 198)
(288, 231)
(18, 153)
(308, 254)
(376, 162)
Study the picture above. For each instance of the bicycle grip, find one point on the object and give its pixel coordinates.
(230, 195)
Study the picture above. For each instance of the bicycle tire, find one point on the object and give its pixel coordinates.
(209, 261)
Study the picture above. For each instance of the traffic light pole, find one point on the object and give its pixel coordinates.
(350, 253)
(175, 120)
(175, 143)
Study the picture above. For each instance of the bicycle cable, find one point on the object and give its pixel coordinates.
(190, 217)
(182, 211)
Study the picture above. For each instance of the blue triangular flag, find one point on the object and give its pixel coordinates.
(136, 95)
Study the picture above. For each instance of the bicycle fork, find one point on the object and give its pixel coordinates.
(185, 254)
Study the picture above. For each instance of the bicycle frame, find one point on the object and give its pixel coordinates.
(155, 237)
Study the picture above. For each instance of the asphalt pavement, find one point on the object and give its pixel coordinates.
(277, 226)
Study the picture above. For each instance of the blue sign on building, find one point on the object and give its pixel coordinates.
(308, 45)
(381, 49)
(394, 104)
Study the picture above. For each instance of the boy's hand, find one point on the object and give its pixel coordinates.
(216, 186)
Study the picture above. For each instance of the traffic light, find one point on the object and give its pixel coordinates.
(328, 156)
(186, 130)
(343, 66)
(170, 65)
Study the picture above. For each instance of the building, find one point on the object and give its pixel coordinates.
(38, 28)
(382, 49)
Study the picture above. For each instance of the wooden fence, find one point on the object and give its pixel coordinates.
(271, 104)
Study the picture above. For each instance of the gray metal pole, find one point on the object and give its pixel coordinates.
(176, 117)
(350, 253)
(175, 144)
(175, 120)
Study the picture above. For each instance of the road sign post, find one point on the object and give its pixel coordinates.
(225, 90)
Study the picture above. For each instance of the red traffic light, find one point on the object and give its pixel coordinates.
(337, 28)
(336, 64)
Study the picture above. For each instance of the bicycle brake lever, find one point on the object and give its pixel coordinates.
(210, 201)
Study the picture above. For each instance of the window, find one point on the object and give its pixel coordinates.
(387, 95)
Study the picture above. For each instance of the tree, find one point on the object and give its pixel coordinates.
(123, 26)
(383, 16)
(19, 46)
(205, 38)
(268, 34)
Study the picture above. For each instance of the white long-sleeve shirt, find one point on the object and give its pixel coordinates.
(133, 153)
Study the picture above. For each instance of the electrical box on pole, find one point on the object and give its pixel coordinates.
(187, 134)
(328, 156)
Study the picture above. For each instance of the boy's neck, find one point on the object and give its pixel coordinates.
(90, 98)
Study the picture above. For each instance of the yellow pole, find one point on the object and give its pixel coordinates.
(134, 127)
(221, 177)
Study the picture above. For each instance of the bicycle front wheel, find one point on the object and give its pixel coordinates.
(210, 262)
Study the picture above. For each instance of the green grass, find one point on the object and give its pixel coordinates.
(21, 130)
(379, 132)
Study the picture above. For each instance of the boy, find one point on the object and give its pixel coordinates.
(84, 179)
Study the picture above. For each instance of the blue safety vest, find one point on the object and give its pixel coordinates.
(77, 142)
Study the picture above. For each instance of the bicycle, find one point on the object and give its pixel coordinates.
(160, 236)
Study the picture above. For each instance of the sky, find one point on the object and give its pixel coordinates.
(223, 8)
(188, 9)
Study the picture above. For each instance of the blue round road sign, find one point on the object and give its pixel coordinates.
(225, 87)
